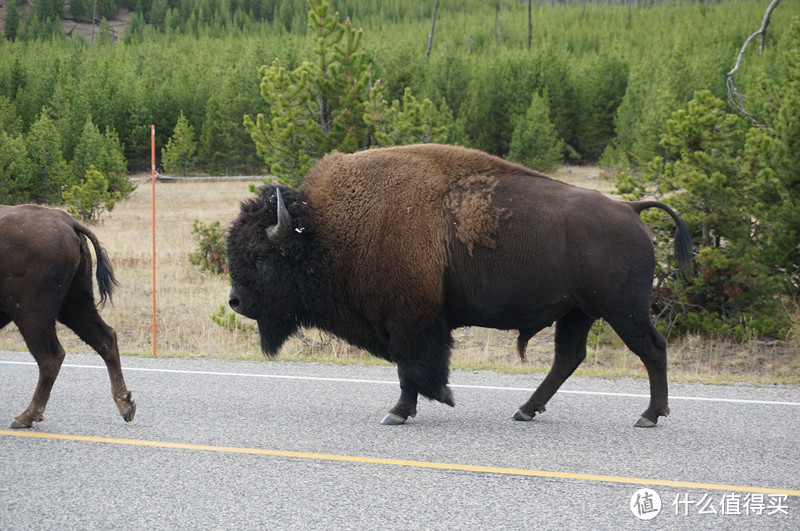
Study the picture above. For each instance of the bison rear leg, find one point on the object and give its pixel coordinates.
(80, 315)
(651, 347)
(43, 344)
(572, 330)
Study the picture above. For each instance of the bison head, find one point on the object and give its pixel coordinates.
(271, 264)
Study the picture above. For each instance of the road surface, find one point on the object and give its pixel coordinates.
(278, 445)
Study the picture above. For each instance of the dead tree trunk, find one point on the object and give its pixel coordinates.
(530, 24)
(735, 99)
(433, 27)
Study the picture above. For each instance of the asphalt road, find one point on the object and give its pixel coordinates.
(277, 445)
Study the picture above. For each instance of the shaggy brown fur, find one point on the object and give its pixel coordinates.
(393, 248)
(46, 274)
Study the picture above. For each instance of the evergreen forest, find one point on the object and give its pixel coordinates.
(267, 86)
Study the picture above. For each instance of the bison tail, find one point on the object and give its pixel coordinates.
(106, 281)
(683, 243)
(683, 236)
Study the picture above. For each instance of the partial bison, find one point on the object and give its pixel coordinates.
(391, 249)
(46, 274)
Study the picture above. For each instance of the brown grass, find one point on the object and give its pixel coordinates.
(186, 298)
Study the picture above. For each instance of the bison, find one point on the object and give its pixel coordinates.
(391, 249)
(46, 274)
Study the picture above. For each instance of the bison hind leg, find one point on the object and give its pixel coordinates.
(650, 346)
(572, 330)
(41, 340)
(80, 315)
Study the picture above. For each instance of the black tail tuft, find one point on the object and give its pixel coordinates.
(106, 281)
(683, 236)
(683, 243)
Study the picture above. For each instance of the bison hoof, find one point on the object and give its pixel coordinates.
(17, 425)
(392, 419)
(130, 412)
(446, 397)
(519, 415)
(644, 422)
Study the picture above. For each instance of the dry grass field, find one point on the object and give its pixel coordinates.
(186, 298)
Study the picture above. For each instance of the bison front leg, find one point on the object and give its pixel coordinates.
(405, 407)
(428, 379)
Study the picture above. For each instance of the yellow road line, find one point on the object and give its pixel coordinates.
(408, 463)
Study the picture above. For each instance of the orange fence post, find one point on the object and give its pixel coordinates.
(153, 189)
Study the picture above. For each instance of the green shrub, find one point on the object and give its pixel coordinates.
(229, 321)
(209, 255)
(91, 198)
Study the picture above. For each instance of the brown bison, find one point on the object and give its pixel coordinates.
(46, 274)
(391, 249)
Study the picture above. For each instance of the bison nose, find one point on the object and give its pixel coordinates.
(233, 300)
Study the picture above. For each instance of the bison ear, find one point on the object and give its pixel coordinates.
(278, 232)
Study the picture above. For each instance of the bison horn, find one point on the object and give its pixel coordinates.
(276, 233)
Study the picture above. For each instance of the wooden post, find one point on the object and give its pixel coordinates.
(153, 208)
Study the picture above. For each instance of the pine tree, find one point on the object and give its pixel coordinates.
(107, 8)
(49, 9)
(319, 106)
(289, 137)
(17, 173)
(179, 153)
(224, 146)
(771, 160)
(104, 36)
(705, 177)
(12, 20)
(51, 171)
(10, 122)
(102, 151)
(601, 88)
(409, 122)
(81, 9)
(535, 143)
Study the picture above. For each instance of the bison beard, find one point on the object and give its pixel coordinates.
(391, 249)
(273, 335)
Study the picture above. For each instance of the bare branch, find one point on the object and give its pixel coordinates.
(735, 98)
(430, 35)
